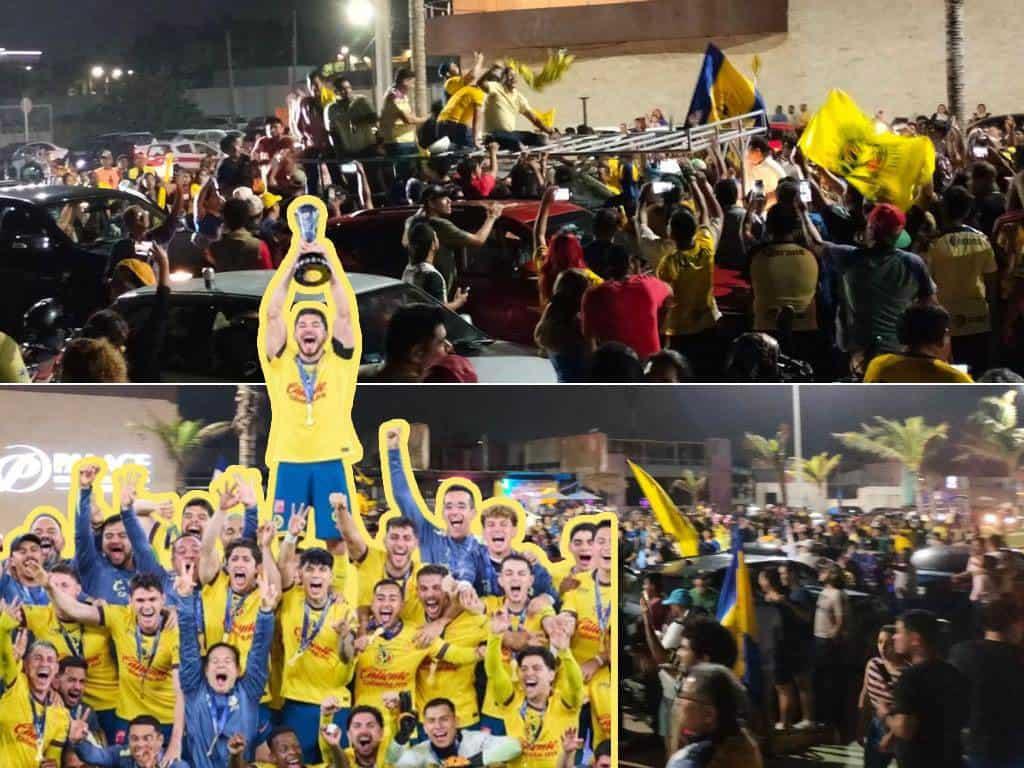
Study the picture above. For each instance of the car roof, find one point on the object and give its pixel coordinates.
(44, 193)
(253, 283)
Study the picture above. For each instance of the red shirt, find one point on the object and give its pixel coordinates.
(479, 187)
(268, 146)
(626, 311)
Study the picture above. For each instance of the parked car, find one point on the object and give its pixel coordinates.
(86, 156)
(39, 259)
(212, 329)
(187, 154)
(30, 163)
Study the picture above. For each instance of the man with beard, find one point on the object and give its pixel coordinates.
(526, 629)
(448, 744)
(468, 629)
(73, 639)
(463, 553)
(70, 686)
(33, 722)
(124, 551)
(221, 701)
(365, 732)
(51, 539)
(546, 699)
(146, 650)
(310, 370)
(389, 656)
(396, 560)
(580, 560)
(16, 584)
(145, 747)
(588, 608)
(316, 633)
(499, 524)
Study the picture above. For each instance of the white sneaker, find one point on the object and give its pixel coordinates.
(804, 725)
(780, 727)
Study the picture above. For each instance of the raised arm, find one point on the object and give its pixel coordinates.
(569, 684)
(712, 207)
(347, 525)
(8, 660)
(344, 329)
(190, 671)
(66, 604)
(296, 527)
(540, 227)
(209, 557)
(497, 675)
(142, 551)
(275, 338)
(478, 239)
(85, 541)
(257, 662)
(405, 498)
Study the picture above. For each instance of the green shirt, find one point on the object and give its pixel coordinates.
(450, 239)
(706, 599)
(351, 124)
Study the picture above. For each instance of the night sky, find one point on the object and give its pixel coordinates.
(656, 413)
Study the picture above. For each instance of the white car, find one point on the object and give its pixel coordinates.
(212, 136)
(186, 154)
(31, 162)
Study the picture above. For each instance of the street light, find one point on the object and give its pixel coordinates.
(97, 72)
(116, 73)
(131, 72)
(359, 13)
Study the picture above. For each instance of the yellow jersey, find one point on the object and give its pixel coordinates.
(908, 369)
(691, 273)
(453, 681)
(234, 624)
(371, 569)
(146, 664)
(345, 579)
(539, 732)
(297, 432)
(452, 85)
(390, 664)
(493, 703)
(12, 366)
(600, 696)
(958, 262)
(584, 602)
(561, 570)
(31, 732)
(89, 643)
(313, 669)
(462, 106)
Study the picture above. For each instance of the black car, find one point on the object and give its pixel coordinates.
(86, 155)
(55, 241)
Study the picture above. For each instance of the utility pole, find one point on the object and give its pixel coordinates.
(231, 79)
(418, 47)
(382, 51)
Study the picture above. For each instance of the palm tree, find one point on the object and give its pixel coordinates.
(771, 451)
(994, 435)
(247, 422)
(691, 484)
(905, 442)
(418, 45)
(955, 59)
(181, 438)
(817, 469)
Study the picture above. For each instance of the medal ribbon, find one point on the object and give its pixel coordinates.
(232, 610)
(603, 614)
(533, 730)
(38, 725)
(219, 716)
(75, 645)
(142, 656)
(306, 639)
(308, 386)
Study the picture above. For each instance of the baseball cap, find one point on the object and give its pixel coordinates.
(25, 537)
(678, 597)
(886, 221)
(270, 200)
(138, 269)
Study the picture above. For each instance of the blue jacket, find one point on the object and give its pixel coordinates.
(542, 584)
(243, 703)
(11, 589)
(466, 559)
(99, 578)
(112, 757)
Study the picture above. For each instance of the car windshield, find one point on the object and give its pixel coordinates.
(98, 221)
(215, 337)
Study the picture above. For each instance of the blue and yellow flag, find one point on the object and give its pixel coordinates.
(722, 90)
(666, 513)
(884, 167)
(738, 614)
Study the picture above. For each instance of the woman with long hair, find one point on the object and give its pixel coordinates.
(880, 676)
(560, 333)
(562, 252)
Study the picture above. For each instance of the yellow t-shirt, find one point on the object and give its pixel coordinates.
(12, 366)
(146, 678)
(318, 671)
(691, 274)
(784, 275)
(502, 108)
(390, 665)
(19, 713)
(600, 698)
(561, 570)
(539, 733)
(392, 128)
(89, 643)
(582, 602)
(453, 84)
(494, 705)
(452, 681)
(292, 437)
(903, 369)
(462, 106)
(371, 569)
(958, 262)
(237, 626)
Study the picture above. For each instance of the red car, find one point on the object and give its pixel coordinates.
(503, 296)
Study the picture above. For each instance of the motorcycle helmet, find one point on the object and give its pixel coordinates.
(44, 324)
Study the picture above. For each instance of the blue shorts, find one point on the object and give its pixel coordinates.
(310, 483)
(108, 721)
(495, 726)
(304, 719)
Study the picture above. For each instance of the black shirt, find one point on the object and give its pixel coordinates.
(935, 693)
(600, 253)
(234, 172)
(995, 673)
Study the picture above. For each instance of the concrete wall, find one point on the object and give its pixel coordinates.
(887, 55)
(810, 496)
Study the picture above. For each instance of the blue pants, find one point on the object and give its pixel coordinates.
(310, 483)
(108, 723)
(461, 135)
(872, 757)
(304, 719)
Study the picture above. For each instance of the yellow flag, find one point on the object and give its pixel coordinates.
(547, 119)
(668, 516)
(884, 167)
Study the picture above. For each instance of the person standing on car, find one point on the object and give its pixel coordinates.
(436, 210)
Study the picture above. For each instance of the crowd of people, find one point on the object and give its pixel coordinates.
(210, 639)
(852, 645)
